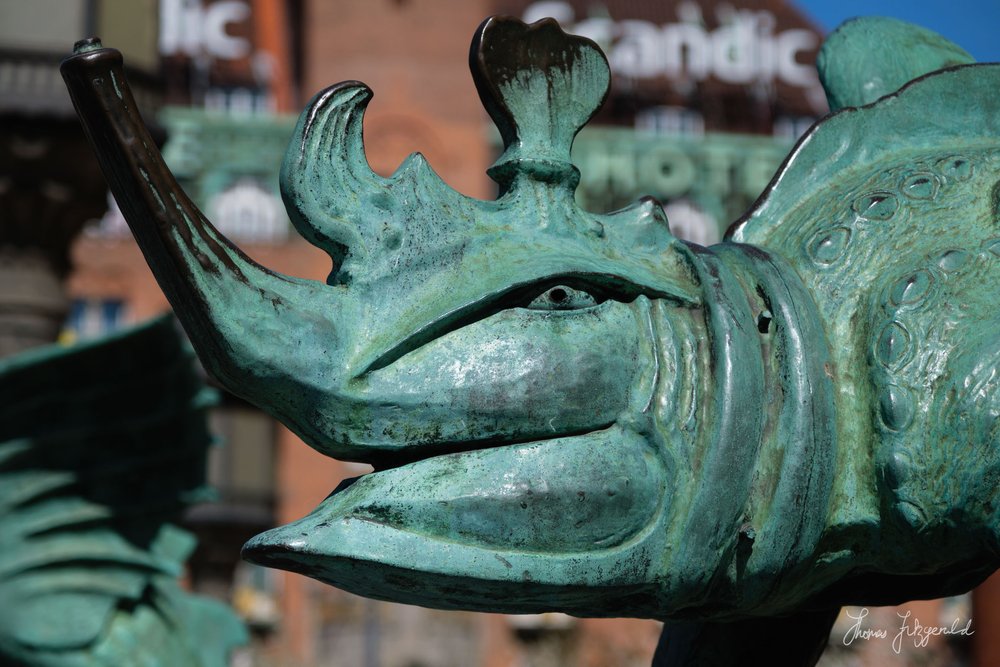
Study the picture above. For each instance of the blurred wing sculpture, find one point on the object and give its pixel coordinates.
(101, 447)
(579, 412)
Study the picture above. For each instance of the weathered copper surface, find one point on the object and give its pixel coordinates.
(102, 445)
(578, 412)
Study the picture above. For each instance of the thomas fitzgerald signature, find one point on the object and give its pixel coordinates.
(910, 627)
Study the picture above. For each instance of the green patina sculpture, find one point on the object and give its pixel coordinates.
(579, 412)
(99, 454)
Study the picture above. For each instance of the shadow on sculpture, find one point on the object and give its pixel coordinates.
(578, 412)
(102, 446)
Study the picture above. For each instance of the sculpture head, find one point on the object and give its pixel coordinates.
(579, 412)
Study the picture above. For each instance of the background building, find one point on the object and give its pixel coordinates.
(706, 100)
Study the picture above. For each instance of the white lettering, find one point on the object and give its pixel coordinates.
(220, 43)
(169, 30)
(744, 49)
(560, 11)
(732, 51)
(686, 49)
(193, 27)
(600, 29)
(189, 28)
(176, 20)
(637, 52)
(791, 71)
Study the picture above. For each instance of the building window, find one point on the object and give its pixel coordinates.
(239, 101)
(791, 128)
(111, 225)
(241, 467)
(90, 318)
(690, 222)
(246, 211)
(670, 120)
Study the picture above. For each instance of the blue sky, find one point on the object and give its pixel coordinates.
(972, 24)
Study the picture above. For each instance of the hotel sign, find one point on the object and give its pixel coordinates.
(193, 28)
(721, 173)
(745, 47)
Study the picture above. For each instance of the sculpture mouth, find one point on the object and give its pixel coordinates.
(501, 518)
(388, 459)
(512, 461)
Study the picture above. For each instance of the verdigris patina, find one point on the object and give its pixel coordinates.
(102, 445)
(579, 412)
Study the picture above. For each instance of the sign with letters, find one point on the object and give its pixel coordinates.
(193, 28)
(721, 173)
(745, 47)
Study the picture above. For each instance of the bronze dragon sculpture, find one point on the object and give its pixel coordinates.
(579, 412)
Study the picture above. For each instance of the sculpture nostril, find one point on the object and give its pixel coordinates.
(764, 322)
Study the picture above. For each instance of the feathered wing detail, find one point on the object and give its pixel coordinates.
(101, 447)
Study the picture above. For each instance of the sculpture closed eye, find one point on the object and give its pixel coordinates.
(578, 412)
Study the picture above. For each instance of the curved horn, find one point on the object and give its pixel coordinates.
(223, 298)
(325, 172)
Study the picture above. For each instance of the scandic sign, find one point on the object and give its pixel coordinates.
(192, 28)
(744, 48)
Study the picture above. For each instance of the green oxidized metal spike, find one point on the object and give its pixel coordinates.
(540, 86)
(578, 412)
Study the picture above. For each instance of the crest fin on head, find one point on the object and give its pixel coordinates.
(870, 57)
(540, 86)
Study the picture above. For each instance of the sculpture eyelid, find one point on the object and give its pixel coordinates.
(599, 287)
(564, 298)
